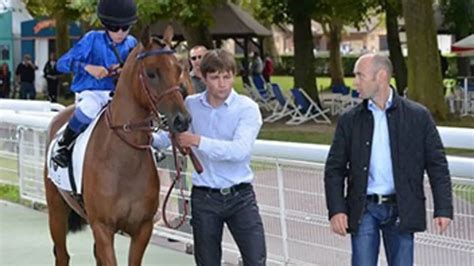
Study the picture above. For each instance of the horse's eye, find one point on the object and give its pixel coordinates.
(151, 74)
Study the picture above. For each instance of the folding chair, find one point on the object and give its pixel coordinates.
(283, 108)
(306, 109)
(265, 97)
(339, 99)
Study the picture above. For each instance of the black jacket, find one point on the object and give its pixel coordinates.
(415, 147)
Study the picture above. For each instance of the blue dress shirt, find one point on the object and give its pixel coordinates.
(380, 169)
(228, 133)
(95, 48)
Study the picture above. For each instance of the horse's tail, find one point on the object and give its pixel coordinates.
(75, 222)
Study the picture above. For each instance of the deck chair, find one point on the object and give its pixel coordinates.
(283, 108)
(339, 99)
(306, 109)
(265, 98)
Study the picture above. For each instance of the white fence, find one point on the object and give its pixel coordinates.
(290, 191)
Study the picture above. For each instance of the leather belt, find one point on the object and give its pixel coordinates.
(380, 199)
(224, 191)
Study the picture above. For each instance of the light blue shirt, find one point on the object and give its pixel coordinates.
(228, 133)
(380, 169)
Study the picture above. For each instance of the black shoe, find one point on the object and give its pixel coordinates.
(61, 157)
(63, 153)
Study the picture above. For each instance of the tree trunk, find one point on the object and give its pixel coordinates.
(62, 46)
(198, 35)
(269, 46)
(335, 59)
(424, 71)
(304, 76)
(395, 49)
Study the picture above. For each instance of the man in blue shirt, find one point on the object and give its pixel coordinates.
(91, 61)
(224, 128)
(381, 150)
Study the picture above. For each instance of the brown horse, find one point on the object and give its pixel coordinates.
(120, 181)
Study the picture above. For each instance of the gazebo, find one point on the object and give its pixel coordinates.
(230, 22)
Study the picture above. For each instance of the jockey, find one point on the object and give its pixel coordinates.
(91, 61)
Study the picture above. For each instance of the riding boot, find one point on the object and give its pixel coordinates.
(61, 157)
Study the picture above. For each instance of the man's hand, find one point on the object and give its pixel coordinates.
(339, 224)
(98, 72)
(442, 223)
(188, 139)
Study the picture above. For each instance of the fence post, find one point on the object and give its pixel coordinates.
(281, 198)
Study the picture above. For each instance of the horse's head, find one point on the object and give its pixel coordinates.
(161, 75)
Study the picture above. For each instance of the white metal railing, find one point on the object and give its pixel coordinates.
(290, 191)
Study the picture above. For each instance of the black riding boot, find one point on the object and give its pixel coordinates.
(61, 157)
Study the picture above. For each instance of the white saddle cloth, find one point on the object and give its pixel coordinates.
(60, 176)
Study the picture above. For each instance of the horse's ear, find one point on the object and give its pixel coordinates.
(168, 35)
(145, 38)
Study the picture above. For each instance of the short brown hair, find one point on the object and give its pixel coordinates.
(218, 60)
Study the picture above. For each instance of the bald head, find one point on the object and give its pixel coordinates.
(377, 63)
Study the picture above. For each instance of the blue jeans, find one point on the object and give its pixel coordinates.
(366, 242)
(239, 210)
(27, 91)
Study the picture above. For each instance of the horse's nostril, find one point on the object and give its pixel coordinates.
(181, 123)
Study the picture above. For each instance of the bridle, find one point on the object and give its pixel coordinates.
(154, 122)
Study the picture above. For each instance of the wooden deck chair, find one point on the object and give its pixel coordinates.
(283, 108)
(306, 109)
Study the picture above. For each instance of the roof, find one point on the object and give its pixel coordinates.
(228, 21)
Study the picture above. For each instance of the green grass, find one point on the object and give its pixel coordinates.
(303, 137)
(11, 166)
(465, 192)
(287, 82)
(10, 193)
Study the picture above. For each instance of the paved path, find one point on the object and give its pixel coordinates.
(25, 240)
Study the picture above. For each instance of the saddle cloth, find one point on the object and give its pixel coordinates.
(60, 176)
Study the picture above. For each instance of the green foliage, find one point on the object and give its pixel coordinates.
(458, 16)
(50, 8)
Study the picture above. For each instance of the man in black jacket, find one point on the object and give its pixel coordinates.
(381, 149)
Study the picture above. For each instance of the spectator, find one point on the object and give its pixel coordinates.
(375, 169)
(195, 55)
(52, 78)
(5, 76)
(244, 72)
(25, 73)
(268, 69)
(256, 67)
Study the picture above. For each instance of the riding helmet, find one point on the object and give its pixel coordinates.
(117, 12)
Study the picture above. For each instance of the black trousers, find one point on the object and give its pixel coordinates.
(52, 90)
(239, 210)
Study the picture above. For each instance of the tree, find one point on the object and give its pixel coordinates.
(393, 9)
(61, 12)
(424, 71)
(459, 19)
(299, 14)
(333, 16)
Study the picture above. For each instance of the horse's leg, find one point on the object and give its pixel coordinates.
(104, 244)
(138, 244)
(58, 213)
